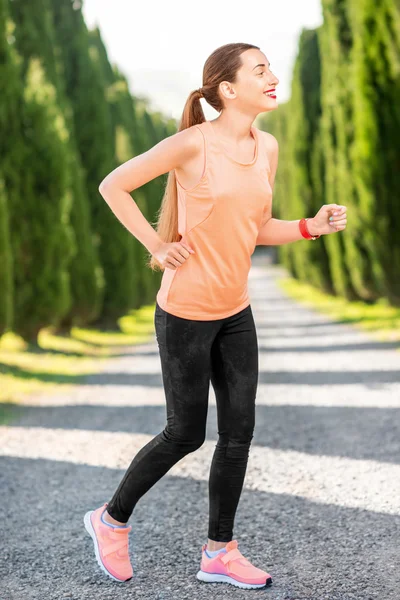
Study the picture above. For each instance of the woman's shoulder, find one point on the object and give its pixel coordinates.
(190, 141)
(267, 137)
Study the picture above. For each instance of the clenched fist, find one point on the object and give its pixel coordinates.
(329, 219)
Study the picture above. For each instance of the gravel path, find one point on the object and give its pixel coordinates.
(320, 507)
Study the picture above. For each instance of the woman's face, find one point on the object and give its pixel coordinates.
(254, 79)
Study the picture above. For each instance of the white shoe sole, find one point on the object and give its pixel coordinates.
(91, 532)
(218, 578)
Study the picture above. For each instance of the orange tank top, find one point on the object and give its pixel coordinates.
(220, 218)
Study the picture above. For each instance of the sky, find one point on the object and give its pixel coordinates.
(161, 47)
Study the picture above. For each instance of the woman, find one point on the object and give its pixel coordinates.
(215, 210)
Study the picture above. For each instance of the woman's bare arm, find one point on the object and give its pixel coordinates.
(168, 154)
(276, 231)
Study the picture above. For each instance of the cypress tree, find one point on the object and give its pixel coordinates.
(318, 272)
(338, 137)
(40, 223)
(375, 151)
(10, 147)
(39, 205)
(87, 92)
(37, 38)
(351, 254)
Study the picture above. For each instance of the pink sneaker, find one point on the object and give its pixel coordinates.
(232, 567)
(110, 545)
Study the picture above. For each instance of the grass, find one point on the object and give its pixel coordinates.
(60, 361)
(379, 319)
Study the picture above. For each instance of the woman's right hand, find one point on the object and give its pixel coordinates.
(171, 255)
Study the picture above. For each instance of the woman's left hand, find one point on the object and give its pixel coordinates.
(329, 219)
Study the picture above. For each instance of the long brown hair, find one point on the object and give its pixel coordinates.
(221, 65)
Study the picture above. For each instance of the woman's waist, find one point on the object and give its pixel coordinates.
(198, 288)
(200, 273)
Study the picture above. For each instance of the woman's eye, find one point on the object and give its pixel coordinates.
(262, 72)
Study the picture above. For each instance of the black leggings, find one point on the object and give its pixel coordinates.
(192, 353)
